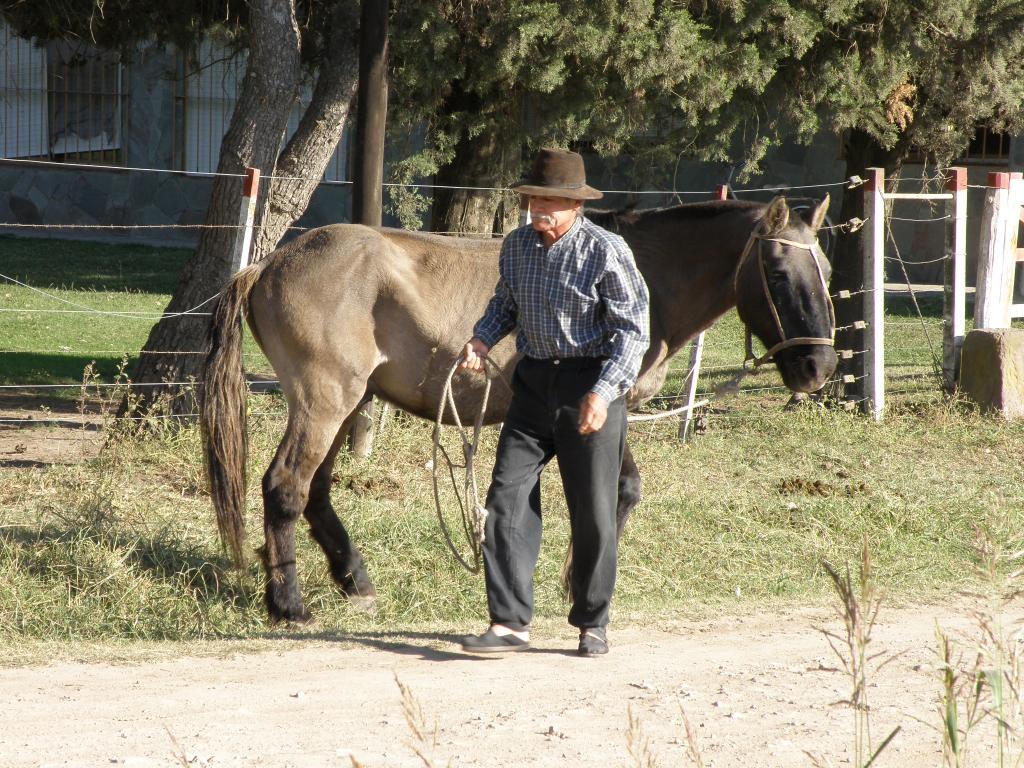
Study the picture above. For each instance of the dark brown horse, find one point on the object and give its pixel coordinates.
(345, 312)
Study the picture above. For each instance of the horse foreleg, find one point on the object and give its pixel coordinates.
(345, 561)
(286, 490)
(629, 490)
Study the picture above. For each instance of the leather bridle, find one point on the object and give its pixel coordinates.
(785, 343)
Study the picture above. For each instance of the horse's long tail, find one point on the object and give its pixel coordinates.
(223, 411)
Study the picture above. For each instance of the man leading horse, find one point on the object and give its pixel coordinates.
(581, 308)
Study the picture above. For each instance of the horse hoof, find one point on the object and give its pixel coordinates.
(364, 604)
(796, 400)
(292, 623)
(305, 624)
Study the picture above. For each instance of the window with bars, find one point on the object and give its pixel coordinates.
(208, 86)
(61, 100)
(988, 146)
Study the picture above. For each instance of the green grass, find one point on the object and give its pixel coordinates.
(123, 548)
(44, 347)
(51, 330)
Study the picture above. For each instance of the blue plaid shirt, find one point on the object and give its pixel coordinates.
(583, 297)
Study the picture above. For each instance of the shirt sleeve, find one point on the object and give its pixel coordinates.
(500, 317)
(627, 315)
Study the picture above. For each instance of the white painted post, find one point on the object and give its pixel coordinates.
(1016, 219)
(995, 269)
(696, 352)
(873, 243)
(246, 217)
(955, 290)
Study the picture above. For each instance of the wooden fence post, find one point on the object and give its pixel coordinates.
(1016, 219)
(873, 244)
(246, 217)
(995, 273)
(368, 190)
(954, 292)
(697, 352)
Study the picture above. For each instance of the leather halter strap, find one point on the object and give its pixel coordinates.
(784, 343)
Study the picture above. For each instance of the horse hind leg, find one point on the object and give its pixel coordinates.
(629, 490)
(286, 491)
(345, 561)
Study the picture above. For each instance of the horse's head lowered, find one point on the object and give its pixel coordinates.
(782, 296)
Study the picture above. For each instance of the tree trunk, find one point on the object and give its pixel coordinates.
(848, 260)
(488, 159)
(172, 353)
(309, 150)
(173, 350)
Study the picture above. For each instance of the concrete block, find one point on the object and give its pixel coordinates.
(992, 370)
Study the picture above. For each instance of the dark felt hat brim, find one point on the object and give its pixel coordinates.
(583, 192)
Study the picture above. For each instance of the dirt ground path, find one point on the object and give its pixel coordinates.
(758, 690)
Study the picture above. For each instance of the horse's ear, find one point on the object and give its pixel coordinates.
(776, 217)
(817, 216)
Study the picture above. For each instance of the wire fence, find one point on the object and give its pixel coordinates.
(911, 356)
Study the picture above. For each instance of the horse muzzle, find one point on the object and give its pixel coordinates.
(806, 367)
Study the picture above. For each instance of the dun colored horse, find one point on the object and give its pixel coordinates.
(346, 312)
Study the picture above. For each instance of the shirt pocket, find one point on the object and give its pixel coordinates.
(573, 301)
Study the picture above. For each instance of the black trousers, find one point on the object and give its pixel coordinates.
(542, 422)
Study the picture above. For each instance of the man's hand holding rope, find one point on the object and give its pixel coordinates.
(593, 408)
(473, 355)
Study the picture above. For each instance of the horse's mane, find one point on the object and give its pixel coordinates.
(629, 216)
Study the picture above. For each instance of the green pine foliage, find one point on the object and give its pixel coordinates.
(710, 80)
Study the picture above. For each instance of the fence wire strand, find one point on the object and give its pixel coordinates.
(684, 373)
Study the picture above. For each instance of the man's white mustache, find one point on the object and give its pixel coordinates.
(542, 217)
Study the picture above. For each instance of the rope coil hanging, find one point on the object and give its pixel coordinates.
(472, 512)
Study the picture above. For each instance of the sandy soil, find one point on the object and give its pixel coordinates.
(759, 691)
(36, 433)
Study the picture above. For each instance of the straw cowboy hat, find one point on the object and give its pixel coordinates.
(557, 173)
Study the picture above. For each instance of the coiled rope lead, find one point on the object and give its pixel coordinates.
(474, 515)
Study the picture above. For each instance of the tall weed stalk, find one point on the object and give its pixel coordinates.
(859, 604)
(988, 685)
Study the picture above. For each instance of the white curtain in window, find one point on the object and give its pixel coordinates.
(85, 105)
(24, 128)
